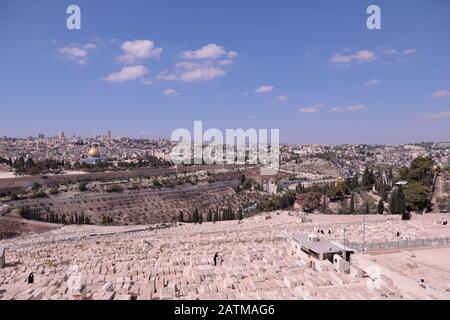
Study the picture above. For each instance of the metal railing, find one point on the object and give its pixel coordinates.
(397, 244)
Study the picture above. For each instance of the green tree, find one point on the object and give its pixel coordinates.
(195, 216)
(384, 192)
(36, 186)
(337, 192)
(404, 173)
(417, 196)
(352, 204)
(324, 204)
(390, 176)
(157, 184)
(82, 186)
(398, 202)
(421, 170)
(367, 208)
(368, 178)
(216, 216)
(310, 201)
(355, 181)
(380, 208)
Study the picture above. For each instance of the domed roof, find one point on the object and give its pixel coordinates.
(93, 152)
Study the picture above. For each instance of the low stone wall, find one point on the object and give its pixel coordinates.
(20, 183)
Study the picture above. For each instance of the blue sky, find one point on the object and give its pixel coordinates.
(323, 76)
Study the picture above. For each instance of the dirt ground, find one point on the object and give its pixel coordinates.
(430, 265)
(12, 225)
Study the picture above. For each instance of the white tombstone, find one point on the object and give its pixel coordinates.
(108, 287)
(340, 265)
(2, 257)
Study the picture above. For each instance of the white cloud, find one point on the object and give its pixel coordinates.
(210, 51)
(264, 89)
(408, 52)
(312, 109)
(189, 71)
(188, 65)
(147, 82)
(127, 74)
(88, 46)
(438, 115)
(398, 54)
(203, 64)
(201, 74)
(225, 62)
(390, 51)
(282, 98)
(166, 75)
(77, 53)
(232, 54)
(441, 94)
(359, 56)
(373, 82)
(171, 92)
(138, 50)
(73, 52)
(338, 58)
(352, 108)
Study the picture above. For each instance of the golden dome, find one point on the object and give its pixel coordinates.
(93, 152)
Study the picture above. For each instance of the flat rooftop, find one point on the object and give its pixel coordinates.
(320, 246)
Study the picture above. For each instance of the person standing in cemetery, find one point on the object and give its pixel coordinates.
(215, 258)
(30, 278)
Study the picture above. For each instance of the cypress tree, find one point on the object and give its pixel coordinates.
(355, 181)
(195, 216)
(380, 208)
(384, 195)
(324, 204)
(390, 176)
(181, 217)
(398, 201)
(352, 204)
